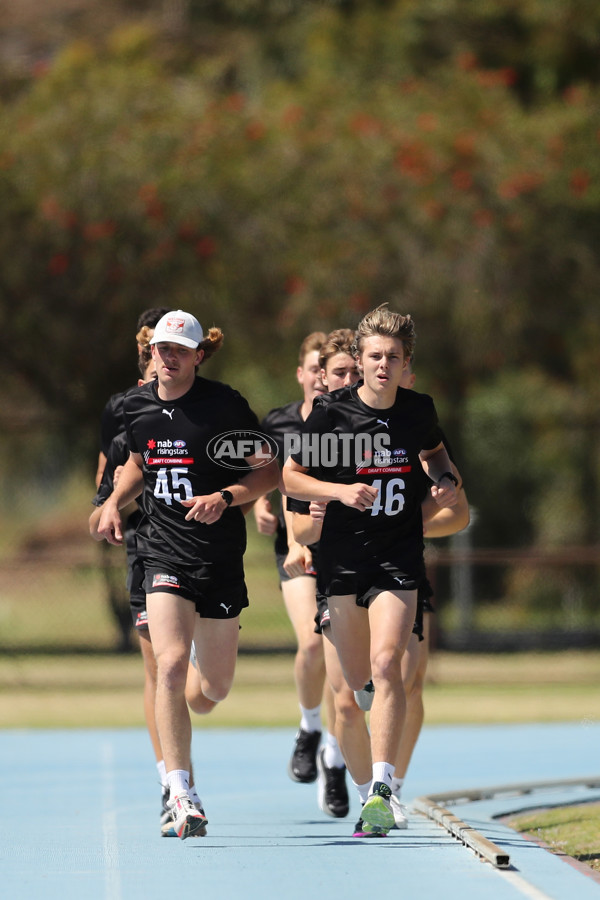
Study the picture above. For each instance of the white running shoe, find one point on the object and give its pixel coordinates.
(364, 697)
(167, 826)
(187, 819)
(400, 818)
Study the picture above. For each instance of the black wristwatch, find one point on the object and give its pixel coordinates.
(227, 497)
(451, 476)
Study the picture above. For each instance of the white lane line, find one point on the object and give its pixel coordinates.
(525, 888)
(110, 847)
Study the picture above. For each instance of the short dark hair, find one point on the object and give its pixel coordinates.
(150, 317)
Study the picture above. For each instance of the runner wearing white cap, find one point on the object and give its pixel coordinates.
(192, 548)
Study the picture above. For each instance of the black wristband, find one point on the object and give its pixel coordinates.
(451, 476)
(227, 497)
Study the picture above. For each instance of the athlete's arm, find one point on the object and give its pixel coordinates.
(435, 463)
(448, 520)
(94, 519)
(299, 484)
(93, 523)
(100, 468)
(299, 557)
(305, 529)
(210, 507)
(442, 522)
(266, 521)
(129, 487)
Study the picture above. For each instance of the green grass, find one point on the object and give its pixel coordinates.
(53, 597)
(105, 690)
(570, 830)
(53, 592)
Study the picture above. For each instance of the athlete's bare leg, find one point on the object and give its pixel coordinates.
(216, 642)
(351, 637)
(150, 691)
(309, 664)
(196, 699)
(391, 618)
(329, 704)
(171, 620)
(351, 727)
(414, 666)
(377, 654)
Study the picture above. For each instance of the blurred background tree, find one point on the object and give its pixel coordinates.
(282, 166)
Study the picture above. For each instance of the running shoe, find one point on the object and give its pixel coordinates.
(167, 828)
(373, 832)
(364, 698)
(303, 764)
(187, 819)
(166, 820)
(400, 818)
(332, 792)
(377, 811)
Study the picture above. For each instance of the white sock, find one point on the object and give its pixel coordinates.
(332, 756)
(397, 786)
(363, 790)
(311, 719)
(384, 772)
(179, 781)
(162, 773)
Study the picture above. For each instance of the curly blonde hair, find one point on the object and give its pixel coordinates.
(212, 342)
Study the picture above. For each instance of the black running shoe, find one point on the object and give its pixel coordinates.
(166, 820)
(333, 793)
(303, 764)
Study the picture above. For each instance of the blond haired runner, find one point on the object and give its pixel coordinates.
(351, 726)
(365, 446)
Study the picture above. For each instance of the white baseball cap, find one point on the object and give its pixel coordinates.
(178, 327)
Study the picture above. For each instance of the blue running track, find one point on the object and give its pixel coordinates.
(79, 818)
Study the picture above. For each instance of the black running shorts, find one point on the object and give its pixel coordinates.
(218, 590)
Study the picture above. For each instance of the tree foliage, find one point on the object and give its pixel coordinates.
(281, 167)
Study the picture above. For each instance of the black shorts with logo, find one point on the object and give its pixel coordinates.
(137, 594)
(424, 595)
(218, 590)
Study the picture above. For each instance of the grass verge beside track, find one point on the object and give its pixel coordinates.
(566, 830)
(105, 690)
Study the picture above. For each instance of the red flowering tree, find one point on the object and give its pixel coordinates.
(273, 206)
